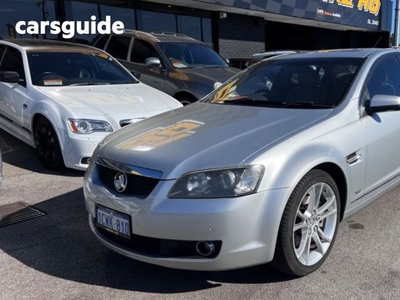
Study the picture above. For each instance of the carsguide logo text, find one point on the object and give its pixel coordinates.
(70, 28)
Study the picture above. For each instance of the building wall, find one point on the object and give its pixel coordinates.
(240, 36)
(368, 14)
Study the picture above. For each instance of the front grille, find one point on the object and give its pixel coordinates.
(126, 122)
(137, 185)
(157, 247)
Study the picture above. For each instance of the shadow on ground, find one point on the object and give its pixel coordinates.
(21, 155)
(61, 244)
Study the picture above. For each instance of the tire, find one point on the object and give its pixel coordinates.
(47, 145)
(186, 100)
(307, 232)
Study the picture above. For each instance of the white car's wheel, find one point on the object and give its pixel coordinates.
(309, 225)
(47, 145)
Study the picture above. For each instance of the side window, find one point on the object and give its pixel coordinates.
(2, 50)
(384, 78)
(101, 42)
(118, 46)
(142, 50)
(12, 61)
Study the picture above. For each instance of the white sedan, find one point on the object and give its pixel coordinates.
(63, 98)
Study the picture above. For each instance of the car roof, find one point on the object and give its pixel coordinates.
(243, 58)
(161, 36)
(337, 53)
(49, 45)
(267, 54)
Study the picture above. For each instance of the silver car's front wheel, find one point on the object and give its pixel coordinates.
(309, 225)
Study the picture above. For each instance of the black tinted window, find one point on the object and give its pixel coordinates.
(118, 46)
(142, 50)
(2, 50)
(101, 42)
(188, 55)
(286, 82)
(384, 78)
(76, 68)
(12, 61)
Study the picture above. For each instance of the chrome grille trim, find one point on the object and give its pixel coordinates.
(126, 122)
(121, 167)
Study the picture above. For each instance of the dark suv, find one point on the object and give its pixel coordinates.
(178, 65)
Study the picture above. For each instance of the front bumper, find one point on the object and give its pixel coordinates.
(245, 227)
(78, 148)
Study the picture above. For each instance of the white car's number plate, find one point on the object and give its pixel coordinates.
(115, 222)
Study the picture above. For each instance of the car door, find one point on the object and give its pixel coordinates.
(153, 75)
(382, 129)
(13, 96)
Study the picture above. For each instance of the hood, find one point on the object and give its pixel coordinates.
(201, 136)
(220, 74)
(119, 100)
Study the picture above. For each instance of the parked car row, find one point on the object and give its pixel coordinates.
(261, 169)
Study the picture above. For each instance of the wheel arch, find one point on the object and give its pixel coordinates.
(39, 114)
(339, 177)
(51, 112)
(185, 95)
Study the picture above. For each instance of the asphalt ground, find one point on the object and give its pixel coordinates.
(55, 256)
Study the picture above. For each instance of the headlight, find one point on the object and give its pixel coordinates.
(222, 183)
(85, 126)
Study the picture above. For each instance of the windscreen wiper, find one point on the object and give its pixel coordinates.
(254, 102)
(89, 83)
(307, 105)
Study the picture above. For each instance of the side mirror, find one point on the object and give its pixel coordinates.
(152, 61)
(9, 76)
(381, 103)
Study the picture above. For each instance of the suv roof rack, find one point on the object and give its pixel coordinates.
(172, 33)
(139, 32)
(152, 34)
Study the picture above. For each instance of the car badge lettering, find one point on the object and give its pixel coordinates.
(120, 182)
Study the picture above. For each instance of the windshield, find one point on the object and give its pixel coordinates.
(291, 83)
(76, 68)
(192, 55)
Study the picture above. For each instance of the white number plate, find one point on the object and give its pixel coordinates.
(115, 222)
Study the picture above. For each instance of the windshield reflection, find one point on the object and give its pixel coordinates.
(290, 83)
(76, 68)
(192, 55)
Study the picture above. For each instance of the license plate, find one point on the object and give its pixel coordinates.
(114, 222)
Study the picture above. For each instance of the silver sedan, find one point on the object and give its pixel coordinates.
(261, 170)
